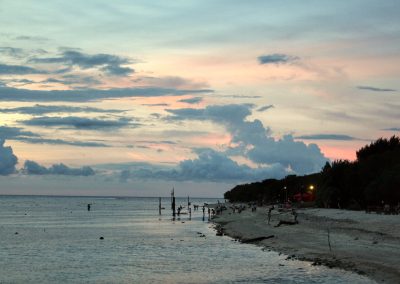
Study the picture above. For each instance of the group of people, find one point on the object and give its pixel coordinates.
(239, 208)
(384, 208)
(292, 211)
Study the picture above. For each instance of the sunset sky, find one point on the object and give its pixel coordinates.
(136, 97)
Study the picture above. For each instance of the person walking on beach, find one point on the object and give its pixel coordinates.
(294, 215)
(270, 213)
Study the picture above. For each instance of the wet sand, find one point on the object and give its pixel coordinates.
(368, 244)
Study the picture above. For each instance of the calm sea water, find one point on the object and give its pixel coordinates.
(58, 241)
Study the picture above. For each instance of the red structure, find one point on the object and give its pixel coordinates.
(306, 196)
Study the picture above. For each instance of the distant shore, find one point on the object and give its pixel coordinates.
(368, 244)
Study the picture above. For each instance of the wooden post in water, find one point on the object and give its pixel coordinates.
(189, 209)
(173, 206)
(159, 205)
(172, 196)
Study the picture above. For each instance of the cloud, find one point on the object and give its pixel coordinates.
(170, 82)
(16, 133)
(254, 141)
(239, 96)
(210, 165)
(44, 109)
(374, 89)
(78, 122)
(31, 38)
(85, 95)
(117, 70)
(12, 51)
(264, 108)
(277, 58)
(7, 159)
(33, 168)
(18, 70)
(392, 129)
(19, 53)
(217, 113)
(16, 82)
(40, 140)
(160, 104)
(110, 64)
(22, 82)
(301, 158)
(194, 100)
(340, 137)
(72, 79)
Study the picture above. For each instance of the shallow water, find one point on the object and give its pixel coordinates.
(58, 242)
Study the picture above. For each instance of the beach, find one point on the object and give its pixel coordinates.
(368, 244)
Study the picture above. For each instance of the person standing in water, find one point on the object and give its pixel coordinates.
(88, 207)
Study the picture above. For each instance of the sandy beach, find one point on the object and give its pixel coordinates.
(368, 244)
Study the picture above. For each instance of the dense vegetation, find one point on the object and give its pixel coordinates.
(372, 178)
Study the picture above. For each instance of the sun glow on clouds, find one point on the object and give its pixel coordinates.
(339, 152)
(211, 139)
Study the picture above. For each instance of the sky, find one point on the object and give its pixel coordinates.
(133, 98)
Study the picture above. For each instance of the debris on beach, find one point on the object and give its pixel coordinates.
(258, 239)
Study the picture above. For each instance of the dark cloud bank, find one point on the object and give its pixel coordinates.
(339, 137)
(78, 122)
(210, 165)
(33, 168)
(374, 89)
(17, 133)
(8, 162)
(110, 64)
(44, 109)
(18, 70)
(264, 108)
(277, 58)
(194, 100)
(87, 95)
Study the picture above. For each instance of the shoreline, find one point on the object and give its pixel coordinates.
(367, 244)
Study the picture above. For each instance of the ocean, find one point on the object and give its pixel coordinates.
(47, 239)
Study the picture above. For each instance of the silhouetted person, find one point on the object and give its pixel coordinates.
(270, 213)
(294, 215)
(88, 207)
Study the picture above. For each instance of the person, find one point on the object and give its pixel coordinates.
(269, 216)
(88, 207)
(295, 215)
(386, 209)
(270, 213)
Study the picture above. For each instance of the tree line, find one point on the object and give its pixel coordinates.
(370, 180)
